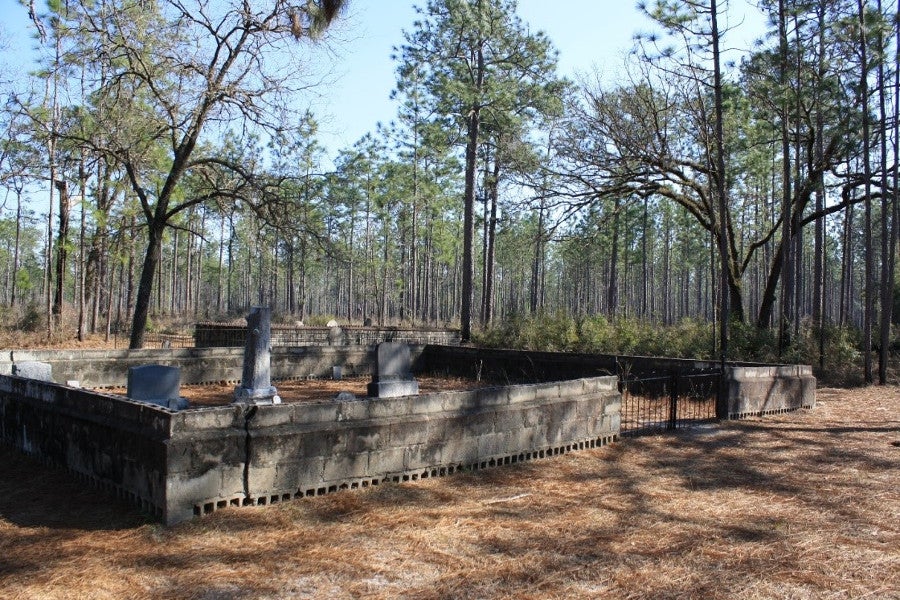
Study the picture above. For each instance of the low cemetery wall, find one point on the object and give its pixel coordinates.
(771, 389)
(751, 388)
(108, 368)
(182, 464)
(218, 335)
(177, 464)
(116, 443)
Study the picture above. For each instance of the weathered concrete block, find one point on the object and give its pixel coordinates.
(323, 442)
(300, 475)
(348, 466)
(546, 391)
(519, 394)
(208, 418)
(571, 389)
(615, 423)
(459, 450)
(271, 415)
(523, 440)
(456, 402)
(232, 480)
(427, 404)
(508, 420)
(420, 456)
(262, 480)
(391, 407)
(366, 439)
(472, 425)
(387, 460)
(560, 412)
(354, 410)
(491, 397)
(586, 407)
(492, 444)
(571, 431)
(612, 406)
(33, 369)
(534, 416)
(315, 412)
(184, 490)
(421, 431)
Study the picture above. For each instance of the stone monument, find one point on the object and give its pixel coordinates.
(256, 379)
(393, 374)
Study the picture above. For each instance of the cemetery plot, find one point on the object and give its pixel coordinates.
(310, 390)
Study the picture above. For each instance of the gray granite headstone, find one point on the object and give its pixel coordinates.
(393, 374)
(256, 380)
(33, 369)
(158, 384)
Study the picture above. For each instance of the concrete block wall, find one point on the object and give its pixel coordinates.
(193, 462)
(755, 391)
(310, 449)
(215, 335)
(751, 388)
(111, 441)
(107, 368)
(179, 465)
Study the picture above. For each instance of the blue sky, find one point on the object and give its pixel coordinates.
(588, 34)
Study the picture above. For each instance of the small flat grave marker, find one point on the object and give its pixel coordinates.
(33, 369)
(157, 384)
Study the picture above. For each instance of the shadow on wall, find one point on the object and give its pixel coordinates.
(34, 494)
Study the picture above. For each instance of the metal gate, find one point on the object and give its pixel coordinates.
(656, 403)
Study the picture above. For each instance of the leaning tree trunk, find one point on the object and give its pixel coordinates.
(155, 232)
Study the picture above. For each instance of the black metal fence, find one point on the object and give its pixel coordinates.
(658, 403)
(165, 340)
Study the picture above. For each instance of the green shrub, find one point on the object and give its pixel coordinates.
(32, 318)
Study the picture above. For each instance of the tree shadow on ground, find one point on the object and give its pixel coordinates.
(35, 494)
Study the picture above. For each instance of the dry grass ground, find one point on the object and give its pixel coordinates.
(802, 505)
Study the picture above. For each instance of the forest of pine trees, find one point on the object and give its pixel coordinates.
(759, 192)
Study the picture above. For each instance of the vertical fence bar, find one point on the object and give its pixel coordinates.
(673, 401)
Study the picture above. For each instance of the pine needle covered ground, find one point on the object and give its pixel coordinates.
(802, 505)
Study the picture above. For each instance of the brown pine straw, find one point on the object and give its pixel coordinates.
(801, 505)
(308, 390)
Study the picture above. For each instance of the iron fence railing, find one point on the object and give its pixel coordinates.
(659, 403)
(165, 340)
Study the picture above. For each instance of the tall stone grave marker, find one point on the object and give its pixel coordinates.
(256, 380)
(393, 374)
